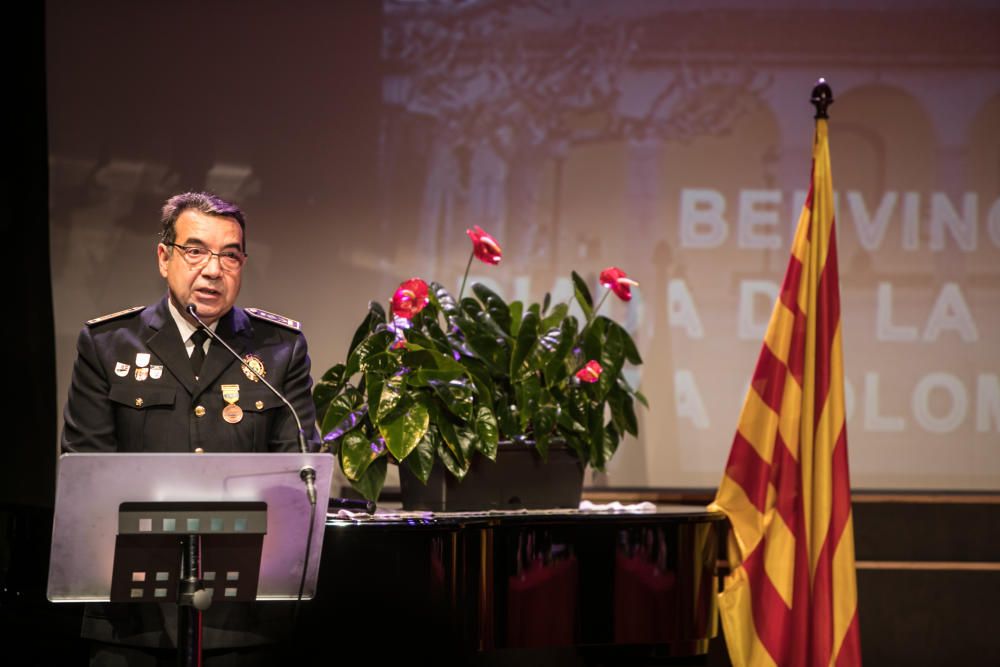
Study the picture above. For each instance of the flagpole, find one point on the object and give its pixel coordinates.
(822, 98)
(791, 595)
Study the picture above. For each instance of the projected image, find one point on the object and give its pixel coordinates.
(670, 139)
(675, 143)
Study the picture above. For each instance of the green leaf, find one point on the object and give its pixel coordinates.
(542, 443)
(641, 398)
(373, 390)
(328, 387)
(374, 317)
(433, 340)
(481, 379)
(489, 349)
(489, 325)
(466, 441)
(507, 414)
(388, 399)
(582, 293)
(377, 343)
(609, 444)
(631, 351)
(459, 439)
(623, 411)
(451, 463)
(323, 393)
(579, 445)
(595, 433)
(527, 336)
(555, 349)
(403, 429)
(612, 358)
(555, 318)
(543, 423)
(357, 453)
(380, 362)
(527, 391)
(494, 305)
(334, 374)
(443, 300)
(421, 460)
(516, 309)
(546, 301)
(457, 396)
(487, 433)
(338, 410)
(430, 366)
(593, 338)
(573, 422)
(370, 485)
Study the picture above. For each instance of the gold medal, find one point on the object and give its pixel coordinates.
(232, 413)
(253, 362)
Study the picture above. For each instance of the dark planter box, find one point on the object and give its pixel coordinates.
(519, 479)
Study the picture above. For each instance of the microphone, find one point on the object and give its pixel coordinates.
(308, 473)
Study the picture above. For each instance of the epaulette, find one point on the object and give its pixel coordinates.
(114, 316)
(275, 318)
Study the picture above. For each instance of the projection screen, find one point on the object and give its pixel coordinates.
(671, 139)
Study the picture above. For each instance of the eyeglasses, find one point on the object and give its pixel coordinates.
(229, 260)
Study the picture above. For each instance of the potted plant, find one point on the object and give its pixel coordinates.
(444, 383)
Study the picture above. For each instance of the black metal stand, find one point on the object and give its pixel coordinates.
(189, 603)
(220, 556)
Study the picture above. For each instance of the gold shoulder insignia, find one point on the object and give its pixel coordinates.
(114, 316)
(276, 319)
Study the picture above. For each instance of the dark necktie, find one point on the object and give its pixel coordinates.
(198, 355)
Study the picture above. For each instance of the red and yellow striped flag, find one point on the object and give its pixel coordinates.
(791, 598)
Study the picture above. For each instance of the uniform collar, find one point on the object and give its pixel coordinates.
(185, 328)
(165, 341)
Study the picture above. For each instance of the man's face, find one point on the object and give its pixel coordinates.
(212, 289)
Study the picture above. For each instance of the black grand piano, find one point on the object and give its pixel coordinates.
(526, 588)
(529, 587)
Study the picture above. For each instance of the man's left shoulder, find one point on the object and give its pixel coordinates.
(274, 318)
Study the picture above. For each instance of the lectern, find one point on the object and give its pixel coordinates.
(188, 528)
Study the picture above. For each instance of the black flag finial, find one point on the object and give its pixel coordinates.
(822, 97)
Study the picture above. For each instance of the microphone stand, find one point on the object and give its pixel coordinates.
(308, 474)
(190, 618)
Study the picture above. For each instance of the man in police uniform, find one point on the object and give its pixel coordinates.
(144, 382)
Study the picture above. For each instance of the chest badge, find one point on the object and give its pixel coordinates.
(232, 413)
(155, 372)
(121, 369)
(256, 364)
(141, 374)
(142, 359)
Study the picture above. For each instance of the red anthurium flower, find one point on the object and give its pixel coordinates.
(484, 246)
(590, 372)
(615, 279)
(410, 298)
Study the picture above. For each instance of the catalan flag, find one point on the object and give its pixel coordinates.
(791, 597)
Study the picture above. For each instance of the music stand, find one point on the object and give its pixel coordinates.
(127, 525)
